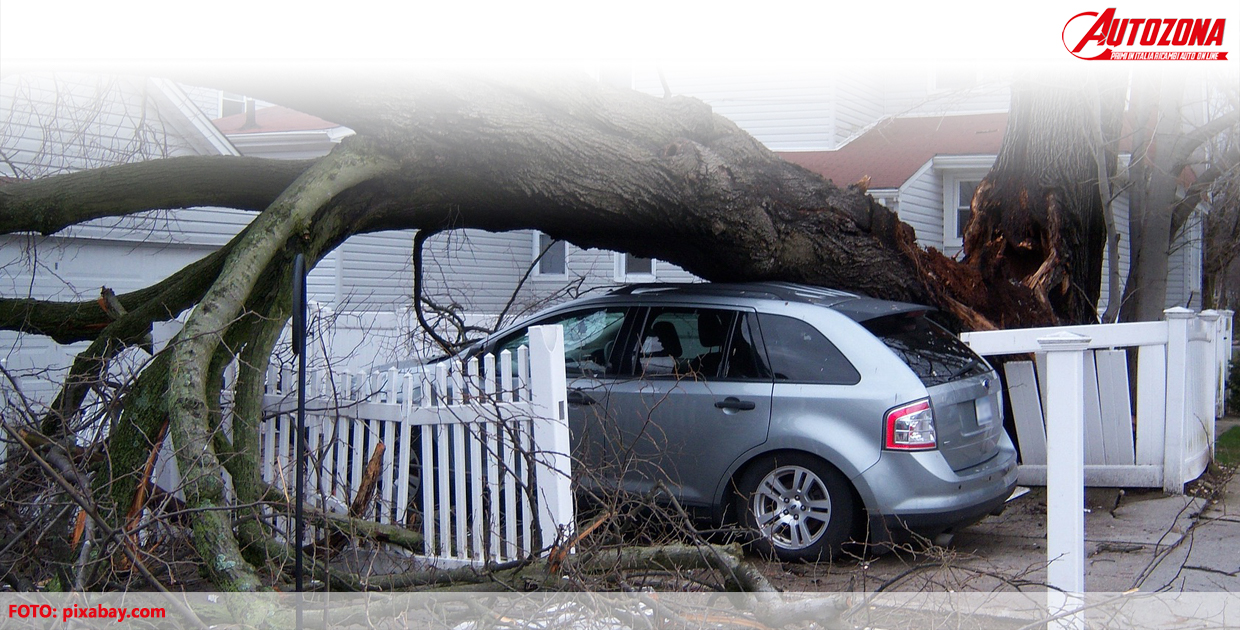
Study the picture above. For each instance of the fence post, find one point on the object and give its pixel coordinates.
(549, 395)
(1065, 460)
(1224, 348)
(1211, 372)
(1178, 398)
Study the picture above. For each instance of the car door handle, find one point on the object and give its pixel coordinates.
(578, 397)
(731, 402)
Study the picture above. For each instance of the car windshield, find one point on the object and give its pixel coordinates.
(934, 354)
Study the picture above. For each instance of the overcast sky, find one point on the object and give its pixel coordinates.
(791, 32)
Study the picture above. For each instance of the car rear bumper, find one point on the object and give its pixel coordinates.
(919, 492)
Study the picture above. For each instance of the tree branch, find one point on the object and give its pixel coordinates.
(71, 322)
(220, 307)
(1188, 142)
(48, 205)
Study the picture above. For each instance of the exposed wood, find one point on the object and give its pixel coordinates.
(362, 500)
(370, 479)
(79, 527)
(133, 518)
(1038, 216)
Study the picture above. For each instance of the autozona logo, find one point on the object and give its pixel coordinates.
(1106, 36)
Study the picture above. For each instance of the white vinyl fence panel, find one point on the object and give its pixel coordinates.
(1168, 439)
(475, 454)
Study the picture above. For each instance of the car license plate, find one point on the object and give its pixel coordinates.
(985, 411)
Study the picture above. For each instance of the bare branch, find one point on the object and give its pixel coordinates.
(51, 204)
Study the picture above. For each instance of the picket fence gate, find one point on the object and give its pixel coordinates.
(1181, 370)
(475, 454)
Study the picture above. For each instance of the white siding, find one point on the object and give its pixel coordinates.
(55, 268)
(375, 272)
(1184, 266)
(62, 123)
(67, 269)
(478, 271)
(207, 100)
(921, 206)
(859, 104)
(911, 90)
(474, 269)
(190, 226)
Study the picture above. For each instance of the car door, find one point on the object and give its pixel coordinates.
(693, 395)
(590, 345)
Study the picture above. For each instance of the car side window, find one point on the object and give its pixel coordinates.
(589, 340)
(670, 345)
(696, 343)
(799, 353)
(746, 360)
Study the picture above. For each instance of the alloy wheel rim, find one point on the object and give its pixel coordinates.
(792, 507)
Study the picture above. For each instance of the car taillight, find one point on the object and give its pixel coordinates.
(911, 427)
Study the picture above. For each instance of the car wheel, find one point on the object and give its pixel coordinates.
(800, 507)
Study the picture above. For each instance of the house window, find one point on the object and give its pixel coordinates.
(630, 268)
(554, 256)
(964, 199)
(958, 192)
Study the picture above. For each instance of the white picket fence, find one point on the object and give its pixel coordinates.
(476, 455)
(1181, 371)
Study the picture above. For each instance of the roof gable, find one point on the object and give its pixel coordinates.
(272, 119)
(65, 122)
(895, 148)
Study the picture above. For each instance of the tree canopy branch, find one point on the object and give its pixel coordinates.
(48, 205)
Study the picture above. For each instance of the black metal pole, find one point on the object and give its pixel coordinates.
(299, 347)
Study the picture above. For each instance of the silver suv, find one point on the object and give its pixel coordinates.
(805, 414)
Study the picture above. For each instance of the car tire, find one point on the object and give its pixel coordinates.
(799, 507)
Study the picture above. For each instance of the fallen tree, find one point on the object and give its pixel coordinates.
(599, 167)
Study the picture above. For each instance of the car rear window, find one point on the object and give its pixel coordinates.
(800, 354)
(933, 353)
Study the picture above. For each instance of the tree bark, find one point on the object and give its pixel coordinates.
(46, 206)
(621, 170)
(1162, 149)
(1038, 216)
(197, 342)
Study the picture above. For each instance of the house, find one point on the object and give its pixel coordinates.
(52, 124)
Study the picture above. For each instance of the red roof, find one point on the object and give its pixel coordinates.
(896, 147)
(271, 119)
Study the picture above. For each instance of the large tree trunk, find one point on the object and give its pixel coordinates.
(1038, 216)
(1163, 146)
(1157, 106)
